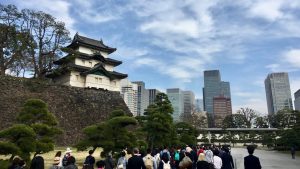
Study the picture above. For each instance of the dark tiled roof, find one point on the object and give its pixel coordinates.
(110, 74)
(86, 70)
(99, 57)
(91, 43)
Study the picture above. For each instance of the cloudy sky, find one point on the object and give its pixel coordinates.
(169, 43)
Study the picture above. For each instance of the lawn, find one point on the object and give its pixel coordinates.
(79, 156)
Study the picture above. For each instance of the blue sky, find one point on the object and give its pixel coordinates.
(169, 43)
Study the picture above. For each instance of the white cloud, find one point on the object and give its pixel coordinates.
(289, 61)
(95, 12)
(267, 9)
(292, 57)
(60, 9)
(184, 69)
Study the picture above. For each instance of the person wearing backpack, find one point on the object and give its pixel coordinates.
(149, 161)
(89, 161)
(164, 163)
(177, 157)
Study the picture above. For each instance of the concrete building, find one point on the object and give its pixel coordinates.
(278, 92)
(152, 95)
(142, 98)
(129, 93)
(90, 67)
(175, 96)
(222, 108)
(297, 100)
(213, 87)
(188, 102)
(199, 105)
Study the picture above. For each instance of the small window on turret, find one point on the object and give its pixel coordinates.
(83, 62)
(113, 83)
(91, 64)
(96, 79)
(77, 77)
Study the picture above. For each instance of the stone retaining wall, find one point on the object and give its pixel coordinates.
(75, 108)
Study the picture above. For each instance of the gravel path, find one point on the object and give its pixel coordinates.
(268, 159)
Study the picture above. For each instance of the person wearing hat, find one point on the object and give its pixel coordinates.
(66, 157)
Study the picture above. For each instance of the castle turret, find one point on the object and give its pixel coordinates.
(88, 65)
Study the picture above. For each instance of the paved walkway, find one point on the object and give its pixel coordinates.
(268, 159)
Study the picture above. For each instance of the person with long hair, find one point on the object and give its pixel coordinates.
(202, 163)
(164, 163)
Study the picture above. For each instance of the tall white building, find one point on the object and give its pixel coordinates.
(278, 92)
(188, 102)
(175, 96)
(142, 98)
(199, 105)
(129, 93)
(297, 100)
(152, 95)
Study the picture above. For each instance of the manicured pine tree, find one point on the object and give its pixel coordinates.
(159, 122)
(35, 132)
(111, 135)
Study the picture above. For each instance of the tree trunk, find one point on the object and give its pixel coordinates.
(2, 67)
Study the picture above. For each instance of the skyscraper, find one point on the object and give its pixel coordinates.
(199, 105)
(176, 98)
(129, 92)
(188, 101)
(152, 95)
(212, 80)
(222, 108)
(142, 98)
(213, 87)
(278, 92)
(297, 100)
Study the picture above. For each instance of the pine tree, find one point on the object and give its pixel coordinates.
(34, 134)
(159, 122)
(111, 135)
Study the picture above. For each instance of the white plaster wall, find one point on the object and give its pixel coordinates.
(80, 82)
(104, 83)
(109, 67)
(104, 54)
(86, 50)
(86, 63)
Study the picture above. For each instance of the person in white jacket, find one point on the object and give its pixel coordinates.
(217, 160)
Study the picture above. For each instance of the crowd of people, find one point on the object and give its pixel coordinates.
(188, 157)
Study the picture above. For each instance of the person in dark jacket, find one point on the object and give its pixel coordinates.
(227, 161)
(37, 163)
(109, 162)
(201, 163)
(89, 161)
(136, 161)
(71, 163)
(15, 163)
(251, 161)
